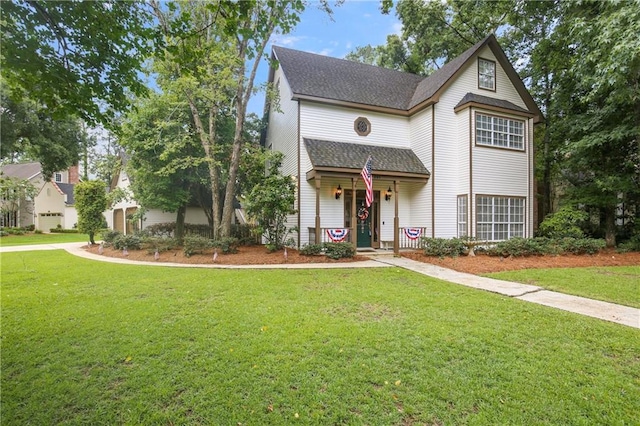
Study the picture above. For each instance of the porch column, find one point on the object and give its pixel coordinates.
(396, 220)
(318, 184)
(354, 225)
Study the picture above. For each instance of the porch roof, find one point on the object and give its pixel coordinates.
(331, 157)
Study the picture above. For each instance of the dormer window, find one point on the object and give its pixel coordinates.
(486, 74)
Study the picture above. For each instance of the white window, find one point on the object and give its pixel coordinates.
(486, 74)
(58, 177)
(499, 218)
(500, 132)
(463, 230)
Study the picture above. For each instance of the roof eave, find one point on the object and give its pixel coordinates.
(493, 108)
(379, 174)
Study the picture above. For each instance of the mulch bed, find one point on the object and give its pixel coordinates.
(480, 264)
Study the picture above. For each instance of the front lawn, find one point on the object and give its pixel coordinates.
(33, 238)
(620, 284)
(86, 342)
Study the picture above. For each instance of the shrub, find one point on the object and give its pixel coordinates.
(131, 242)
(30, 228)
(565, 223)
(227, 244)
(108, 236)
(63, 231)
(339, 250)
(311, 249)
(195, 244)
(37, 231)
(3, 233)
(161, 229)
(442, 247)
(633, 244)
(582, 245)
(161, 244)
(519, 247)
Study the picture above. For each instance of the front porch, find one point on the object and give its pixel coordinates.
(409, 238)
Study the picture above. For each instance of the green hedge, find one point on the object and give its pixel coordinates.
(442, 247)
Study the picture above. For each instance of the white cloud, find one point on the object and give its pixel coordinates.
(286, 40)
(397, 28)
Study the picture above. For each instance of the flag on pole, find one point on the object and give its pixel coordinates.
(368, 181)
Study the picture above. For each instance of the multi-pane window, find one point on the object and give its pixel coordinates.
(499, 218)
(499, 131)
(486, 74)
(463, 229)
(58, 177)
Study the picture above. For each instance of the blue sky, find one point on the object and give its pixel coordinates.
(355, 23)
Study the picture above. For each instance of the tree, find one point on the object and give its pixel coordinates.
(211, 56)
(601, 121)
(29, 132)
(80, 58)
(90, 202)
(165, 160)
(270, 202)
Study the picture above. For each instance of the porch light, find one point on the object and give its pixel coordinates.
(338, 192)
(388, 194)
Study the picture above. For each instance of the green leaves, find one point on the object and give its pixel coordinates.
(78, 58)
(90, 202)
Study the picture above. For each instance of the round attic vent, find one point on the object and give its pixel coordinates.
(362, 126)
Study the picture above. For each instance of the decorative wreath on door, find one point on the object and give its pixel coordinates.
(363, 213)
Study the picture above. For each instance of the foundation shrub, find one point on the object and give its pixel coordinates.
(130, 242)
(443, 247)
(227, 244)
(194, 244)
(339, 250)
(311, 249)
(108, 236)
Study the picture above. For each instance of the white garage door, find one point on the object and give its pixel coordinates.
(49, 220)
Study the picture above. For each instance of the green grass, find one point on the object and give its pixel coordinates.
(618, 284)
(32, 238)
(86, 342)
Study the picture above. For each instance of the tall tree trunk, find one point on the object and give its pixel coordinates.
(610, 225)
(229, 196)
(180, 216)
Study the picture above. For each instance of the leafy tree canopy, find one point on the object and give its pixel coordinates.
(79, 58)
(90, 202)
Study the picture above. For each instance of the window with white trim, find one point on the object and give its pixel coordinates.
(486, 74)
(463, 229)
(58, 177)
(499, 218)
(499, 132)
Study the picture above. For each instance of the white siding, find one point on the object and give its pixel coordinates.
(282, 135)
(327, 122)
(504, 88)
(420, 194)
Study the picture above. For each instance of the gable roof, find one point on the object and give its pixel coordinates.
(350, 83)
(350, 158)
(22, 171)
(67, 189)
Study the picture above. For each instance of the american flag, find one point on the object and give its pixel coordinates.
(368, 181)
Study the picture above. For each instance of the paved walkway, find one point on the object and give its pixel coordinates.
(594, 308)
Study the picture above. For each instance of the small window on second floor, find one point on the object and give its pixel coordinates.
(486, 74)
(58, 177)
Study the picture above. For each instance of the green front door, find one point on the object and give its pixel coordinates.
(366, 228)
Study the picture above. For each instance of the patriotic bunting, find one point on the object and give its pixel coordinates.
(413, 233)
(337, 235)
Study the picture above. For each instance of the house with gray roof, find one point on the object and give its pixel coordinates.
(53, 203)
(451, 153)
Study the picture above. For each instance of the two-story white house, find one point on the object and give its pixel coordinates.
(452, 153)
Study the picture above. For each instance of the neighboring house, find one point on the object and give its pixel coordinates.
(55, 206)
(120, 217)
(54, 209)
(452, 153)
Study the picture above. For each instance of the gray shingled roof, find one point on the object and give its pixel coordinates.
(343, 155)
(67, 188)
(338, 79)
(21, 171)
(485, 100)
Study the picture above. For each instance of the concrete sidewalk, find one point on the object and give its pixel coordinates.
(593, 308)
(580, 305)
